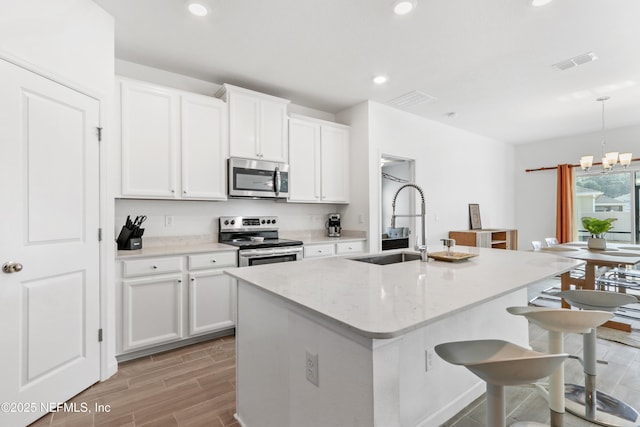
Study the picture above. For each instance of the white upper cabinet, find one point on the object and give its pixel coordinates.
(319, 161)
(204, 147)
(150, 134)
(257, 124)
(174, 143)
(334, 160)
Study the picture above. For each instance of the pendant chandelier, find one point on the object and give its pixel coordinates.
(610, 159)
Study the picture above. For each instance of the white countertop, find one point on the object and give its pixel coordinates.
(320, 236)
(175, 249)
(390, 300)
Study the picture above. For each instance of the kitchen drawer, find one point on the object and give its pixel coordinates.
(212, 260)
(317, 251)
(349, 247)
(145, 267)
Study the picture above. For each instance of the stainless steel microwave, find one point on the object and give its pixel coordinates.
(258, 179)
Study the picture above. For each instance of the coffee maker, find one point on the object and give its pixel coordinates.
(333, 225)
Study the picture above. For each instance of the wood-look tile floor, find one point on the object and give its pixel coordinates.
(191, 386)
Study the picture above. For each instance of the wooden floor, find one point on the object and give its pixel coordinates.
(195, 386)
(192, 386)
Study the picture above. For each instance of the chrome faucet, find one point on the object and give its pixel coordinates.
(424, 255)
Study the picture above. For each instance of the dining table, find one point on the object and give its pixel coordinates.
(615, 255)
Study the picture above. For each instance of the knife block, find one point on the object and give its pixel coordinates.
(132, 244)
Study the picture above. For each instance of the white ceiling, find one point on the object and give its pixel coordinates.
(490, 61)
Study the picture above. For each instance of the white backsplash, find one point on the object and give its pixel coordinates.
(198, 218)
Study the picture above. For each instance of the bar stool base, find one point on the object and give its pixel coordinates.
(609, 411)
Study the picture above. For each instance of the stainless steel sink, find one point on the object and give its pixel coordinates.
(389, 258)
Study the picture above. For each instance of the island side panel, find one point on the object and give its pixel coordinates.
(272, 339)
(262, 370)
(414, 387)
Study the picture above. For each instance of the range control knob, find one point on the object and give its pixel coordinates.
(273, 221)
(263, 221)
(226, 222)
(233, 221)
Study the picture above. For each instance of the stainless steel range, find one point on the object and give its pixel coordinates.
(257, 239)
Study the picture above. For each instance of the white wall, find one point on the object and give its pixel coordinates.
(536, 191)
(200, 218)
(358, 213)
(454, 168)
(65, 39)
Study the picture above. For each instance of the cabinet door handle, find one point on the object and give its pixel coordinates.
(213, 261)
(193, 279)
(155, 267)
(179, 280)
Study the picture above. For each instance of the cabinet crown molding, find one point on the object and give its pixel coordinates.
(224, 90)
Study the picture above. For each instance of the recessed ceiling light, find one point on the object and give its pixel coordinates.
(197, 8)
(402, 7)
(538, 3)
(380, 80)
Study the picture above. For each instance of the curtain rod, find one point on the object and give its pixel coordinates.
(548, 168)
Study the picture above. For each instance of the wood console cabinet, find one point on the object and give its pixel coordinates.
(487, 238)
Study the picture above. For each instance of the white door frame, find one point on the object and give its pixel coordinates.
(108, 363)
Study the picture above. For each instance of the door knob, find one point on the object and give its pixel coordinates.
(11, 267)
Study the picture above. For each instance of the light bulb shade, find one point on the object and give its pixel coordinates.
(605, 164)
(586, 162)
(612, 158)
(625, 159)
(197, 7)
(402, 7)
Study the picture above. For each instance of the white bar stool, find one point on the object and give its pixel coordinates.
(500, 363)
(557, 321)
(586, 401)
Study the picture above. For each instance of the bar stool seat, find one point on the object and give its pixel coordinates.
(557, 322)
(586, 401)
(500, 363)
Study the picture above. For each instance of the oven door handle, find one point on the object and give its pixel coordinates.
(269, 252)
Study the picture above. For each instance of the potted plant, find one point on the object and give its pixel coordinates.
(598, 228)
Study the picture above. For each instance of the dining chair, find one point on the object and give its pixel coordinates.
(551, 241)
(536, 244)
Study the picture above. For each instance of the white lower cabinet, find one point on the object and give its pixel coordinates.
(210, 302)
(169, 299)
(152, 311)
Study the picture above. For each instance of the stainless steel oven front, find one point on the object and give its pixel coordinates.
(247, 257)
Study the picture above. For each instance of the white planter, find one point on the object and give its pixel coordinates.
(597, 243)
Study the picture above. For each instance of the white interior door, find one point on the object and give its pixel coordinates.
(49, 218)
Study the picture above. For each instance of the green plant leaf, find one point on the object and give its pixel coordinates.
(597, 227)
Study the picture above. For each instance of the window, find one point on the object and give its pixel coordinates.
(608, 196)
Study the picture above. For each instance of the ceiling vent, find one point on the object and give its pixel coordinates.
(575, 61)
(411, 99)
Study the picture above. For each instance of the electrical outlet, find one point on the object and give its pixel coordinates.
(311, 368)
(429, 359)
(168, 220)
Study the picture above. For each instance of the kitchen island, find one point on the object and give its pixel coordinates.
(338, 342)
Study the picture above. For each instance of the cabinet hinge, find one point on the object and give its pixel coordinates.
(99, 134)
(100, 335)
(99, 234)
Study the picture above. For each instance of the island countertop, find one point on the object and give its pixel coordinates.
(385, 301)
